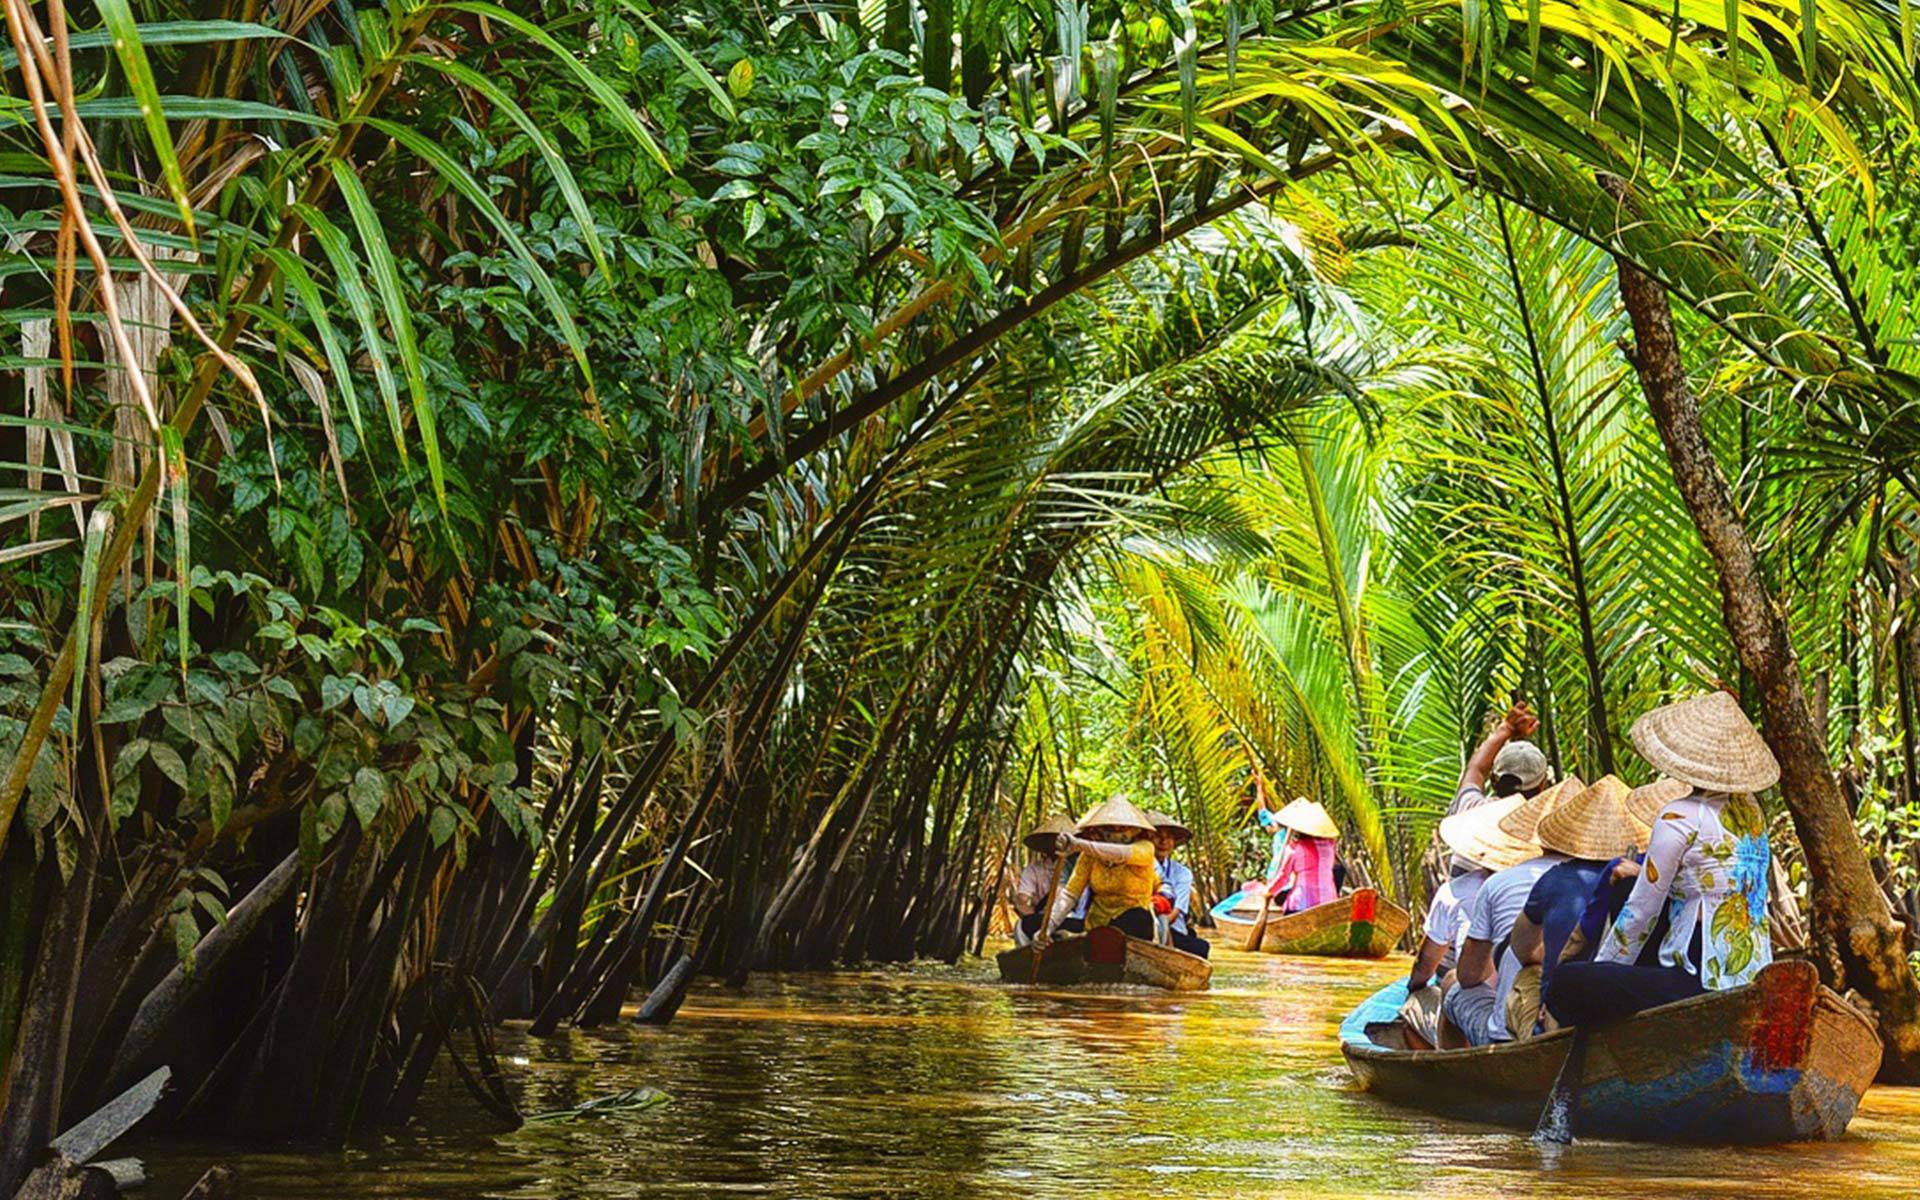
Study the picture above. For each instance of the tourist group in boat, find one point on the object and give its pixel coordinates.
(1570, 903)
(1564, 909)
(1564, 902)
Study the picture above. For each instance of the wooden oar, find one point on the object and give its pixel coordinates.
(1046, 915)
(1259, 929)
(1556, 1119)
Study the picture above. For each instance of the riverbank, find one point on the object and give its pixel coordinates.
(937, 1082)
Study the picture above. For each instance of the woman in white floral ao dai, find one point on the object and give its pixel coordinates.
(1706, 870)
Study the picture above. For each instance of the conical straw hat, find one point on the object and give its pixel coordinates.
(1116, 813)
(1475, 835)
(1707, 742)
(1161, 821)
(1645, 802)
(1044, 834)
(1594, 824)
(1307, 817)
(1523, 823)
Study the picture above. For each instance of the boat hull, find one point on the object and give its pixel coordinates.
(1362, 925)
(1105, 956)
(1780, 1060)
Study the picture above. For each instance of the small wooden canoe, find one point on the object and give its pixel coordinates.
(1106, 955)
(1782, 1059)
(1362, 925)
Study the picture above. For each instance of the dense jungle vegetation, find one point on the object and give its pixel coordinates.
(502, 497)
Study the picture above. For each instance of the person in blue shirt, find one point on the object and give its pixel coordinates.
(1175, 897)
(1594, 830)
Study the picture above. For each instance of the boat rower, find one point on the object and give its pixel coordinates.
(1117, 867)
(1035, 885)
(1305, 874)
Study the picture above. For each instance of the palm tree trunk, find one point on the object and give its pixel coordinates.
(1857, 942)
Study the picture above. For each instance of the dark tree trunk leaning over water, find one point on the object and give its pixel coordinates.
(1857, 942)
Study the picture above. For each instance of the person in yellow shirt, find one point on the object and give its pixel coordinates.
(1117, 864)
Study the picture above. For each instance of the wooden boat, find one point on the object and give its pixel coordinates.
(1242, 907)
(1781, 1059)
(1106, 955)
(1362, 925)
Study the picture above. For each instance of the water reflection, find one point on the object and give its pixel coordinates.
(935, 1082)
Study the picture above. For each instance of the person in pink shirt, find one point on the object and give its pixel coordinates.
(1306, 868)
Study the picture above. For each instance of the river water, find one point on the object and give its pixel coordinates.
(936, 1082)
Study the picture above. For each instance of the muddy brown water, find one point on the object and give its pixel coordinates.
(936, 1081)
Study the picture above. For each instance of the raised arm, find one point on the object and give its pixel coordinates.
(1518, 722)
(1138, 853)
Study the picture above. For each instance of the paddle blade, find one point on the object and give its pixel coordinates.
(1259, 930)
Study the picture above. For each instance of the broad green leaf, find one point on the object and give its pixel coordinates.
(170, 763)
(366, 794)
(549, 153)
(210, 904)
(186, 936)
(468, 186)
(219, 798)
(441, 824)
(600, 89)
(386, 280)
(397, 709)
(334, 691)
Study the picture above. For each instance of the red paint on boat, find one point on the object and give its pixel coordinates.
(1106, 945)
(1781, 1037)
(1366, 904)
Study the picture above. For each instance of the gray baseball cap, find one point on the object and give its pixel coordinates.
(1522, 760)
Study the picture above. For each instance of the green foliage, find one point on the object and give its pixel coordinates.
(794, 445)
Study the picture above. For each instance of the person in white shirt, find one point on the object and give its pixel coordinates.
(1034, 887)
(1476, 838)
(1504, 764)
(1475, 1002)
